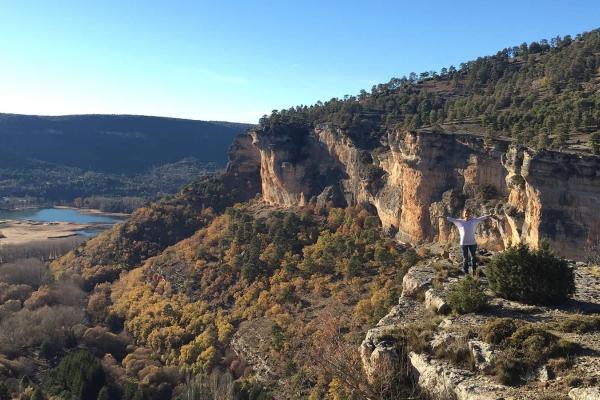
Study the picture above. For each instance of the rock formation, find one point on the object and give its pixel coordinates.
(415, 177)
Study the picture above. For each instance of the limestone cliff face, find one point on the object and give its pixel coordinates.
(415, 177)
(552, 196)
(327, 165)
(243, 169)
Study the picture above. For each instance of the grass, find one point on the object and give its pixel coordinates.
(579, 324)
(527, 348)
(498, 331)
(417, 336)
(458, 353)
(443, 270)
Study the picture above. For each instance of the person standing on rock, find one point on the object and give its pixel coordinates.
(466, 229)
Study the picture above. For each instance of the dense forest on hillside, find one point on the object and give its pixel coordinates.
(249, 270)
(95, 160)
(42, 183)
(543, 94)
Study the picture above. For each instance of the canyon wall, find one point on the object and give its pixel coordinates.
(416, 177)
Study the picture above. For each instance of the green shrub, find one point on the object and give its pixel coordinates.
(81, 374)
(466, 296)
(498, 330)
(530, 276)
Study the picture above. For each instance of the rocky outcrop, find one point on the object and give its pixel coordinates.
(585, 393)
(433, 367)
(415, 177)
(440, 381)
(417, 281)
(379, 350)
(552, 196)
(434, 301)
(243, 169)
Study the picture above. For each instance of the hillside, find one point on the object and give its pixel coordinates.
(281, 276)
(123, 144)
(543, 94)
(62, 158)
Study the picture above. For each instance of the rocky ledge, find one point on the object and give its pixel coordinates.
(422, 305)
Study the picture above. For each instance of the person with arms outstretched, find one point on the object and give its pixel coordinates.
(466, 229)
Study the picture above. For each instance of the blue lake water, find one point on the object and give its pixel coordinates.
(64, 215)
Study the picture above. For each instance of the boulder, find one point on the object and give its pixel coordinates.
(435, 302)
(379, 355)
(482, 354)
(592, 393)
(417, 280)
(441, 381)
(442, 340)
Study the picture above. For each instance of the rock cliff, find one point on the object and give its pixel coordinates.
(415, 177)
(384, 353)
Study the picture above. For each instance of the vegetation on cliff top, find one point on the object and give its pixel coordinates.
(530, 276)
(543, 94)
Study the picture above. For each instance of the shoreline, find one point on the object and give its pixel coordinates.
(23, 231)
(93, 211)
(20, 232)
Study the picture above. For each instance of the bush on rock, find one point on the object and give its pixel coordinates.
(530, 276)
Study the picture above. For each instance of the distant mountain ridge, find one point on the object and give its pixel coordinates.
(64, 159)
(123, 144)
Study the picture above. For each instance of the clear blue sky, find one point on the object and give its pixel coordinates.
(237, 60)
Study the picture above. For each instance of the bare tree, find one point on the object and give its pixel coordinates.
(333, 354)
(29, 271)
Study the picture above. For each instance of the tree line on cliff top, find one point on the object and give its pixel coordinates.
(542, 94)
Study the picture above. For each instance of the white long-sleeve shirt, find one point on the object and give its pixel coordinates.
(466, 228)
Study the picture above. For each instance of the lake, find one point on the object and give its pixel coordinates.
(64, 215)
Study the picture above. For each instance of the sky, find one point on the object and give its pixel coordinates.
(237, 60)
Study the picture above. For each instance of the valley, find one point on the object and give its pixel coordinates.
(111, 162)
(319, 262)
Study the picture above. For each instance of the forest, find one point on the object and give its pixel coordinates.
(43, 184)
(543, 94)
(167, 327)
(111, 162)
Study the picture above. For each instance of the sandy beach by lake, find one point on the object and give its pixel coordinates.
(18, 232)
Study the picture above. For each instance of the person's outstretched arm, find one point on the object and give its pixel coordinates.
(483, 217)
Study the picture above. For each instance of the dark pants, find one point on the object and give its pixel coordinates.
(466, 249)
